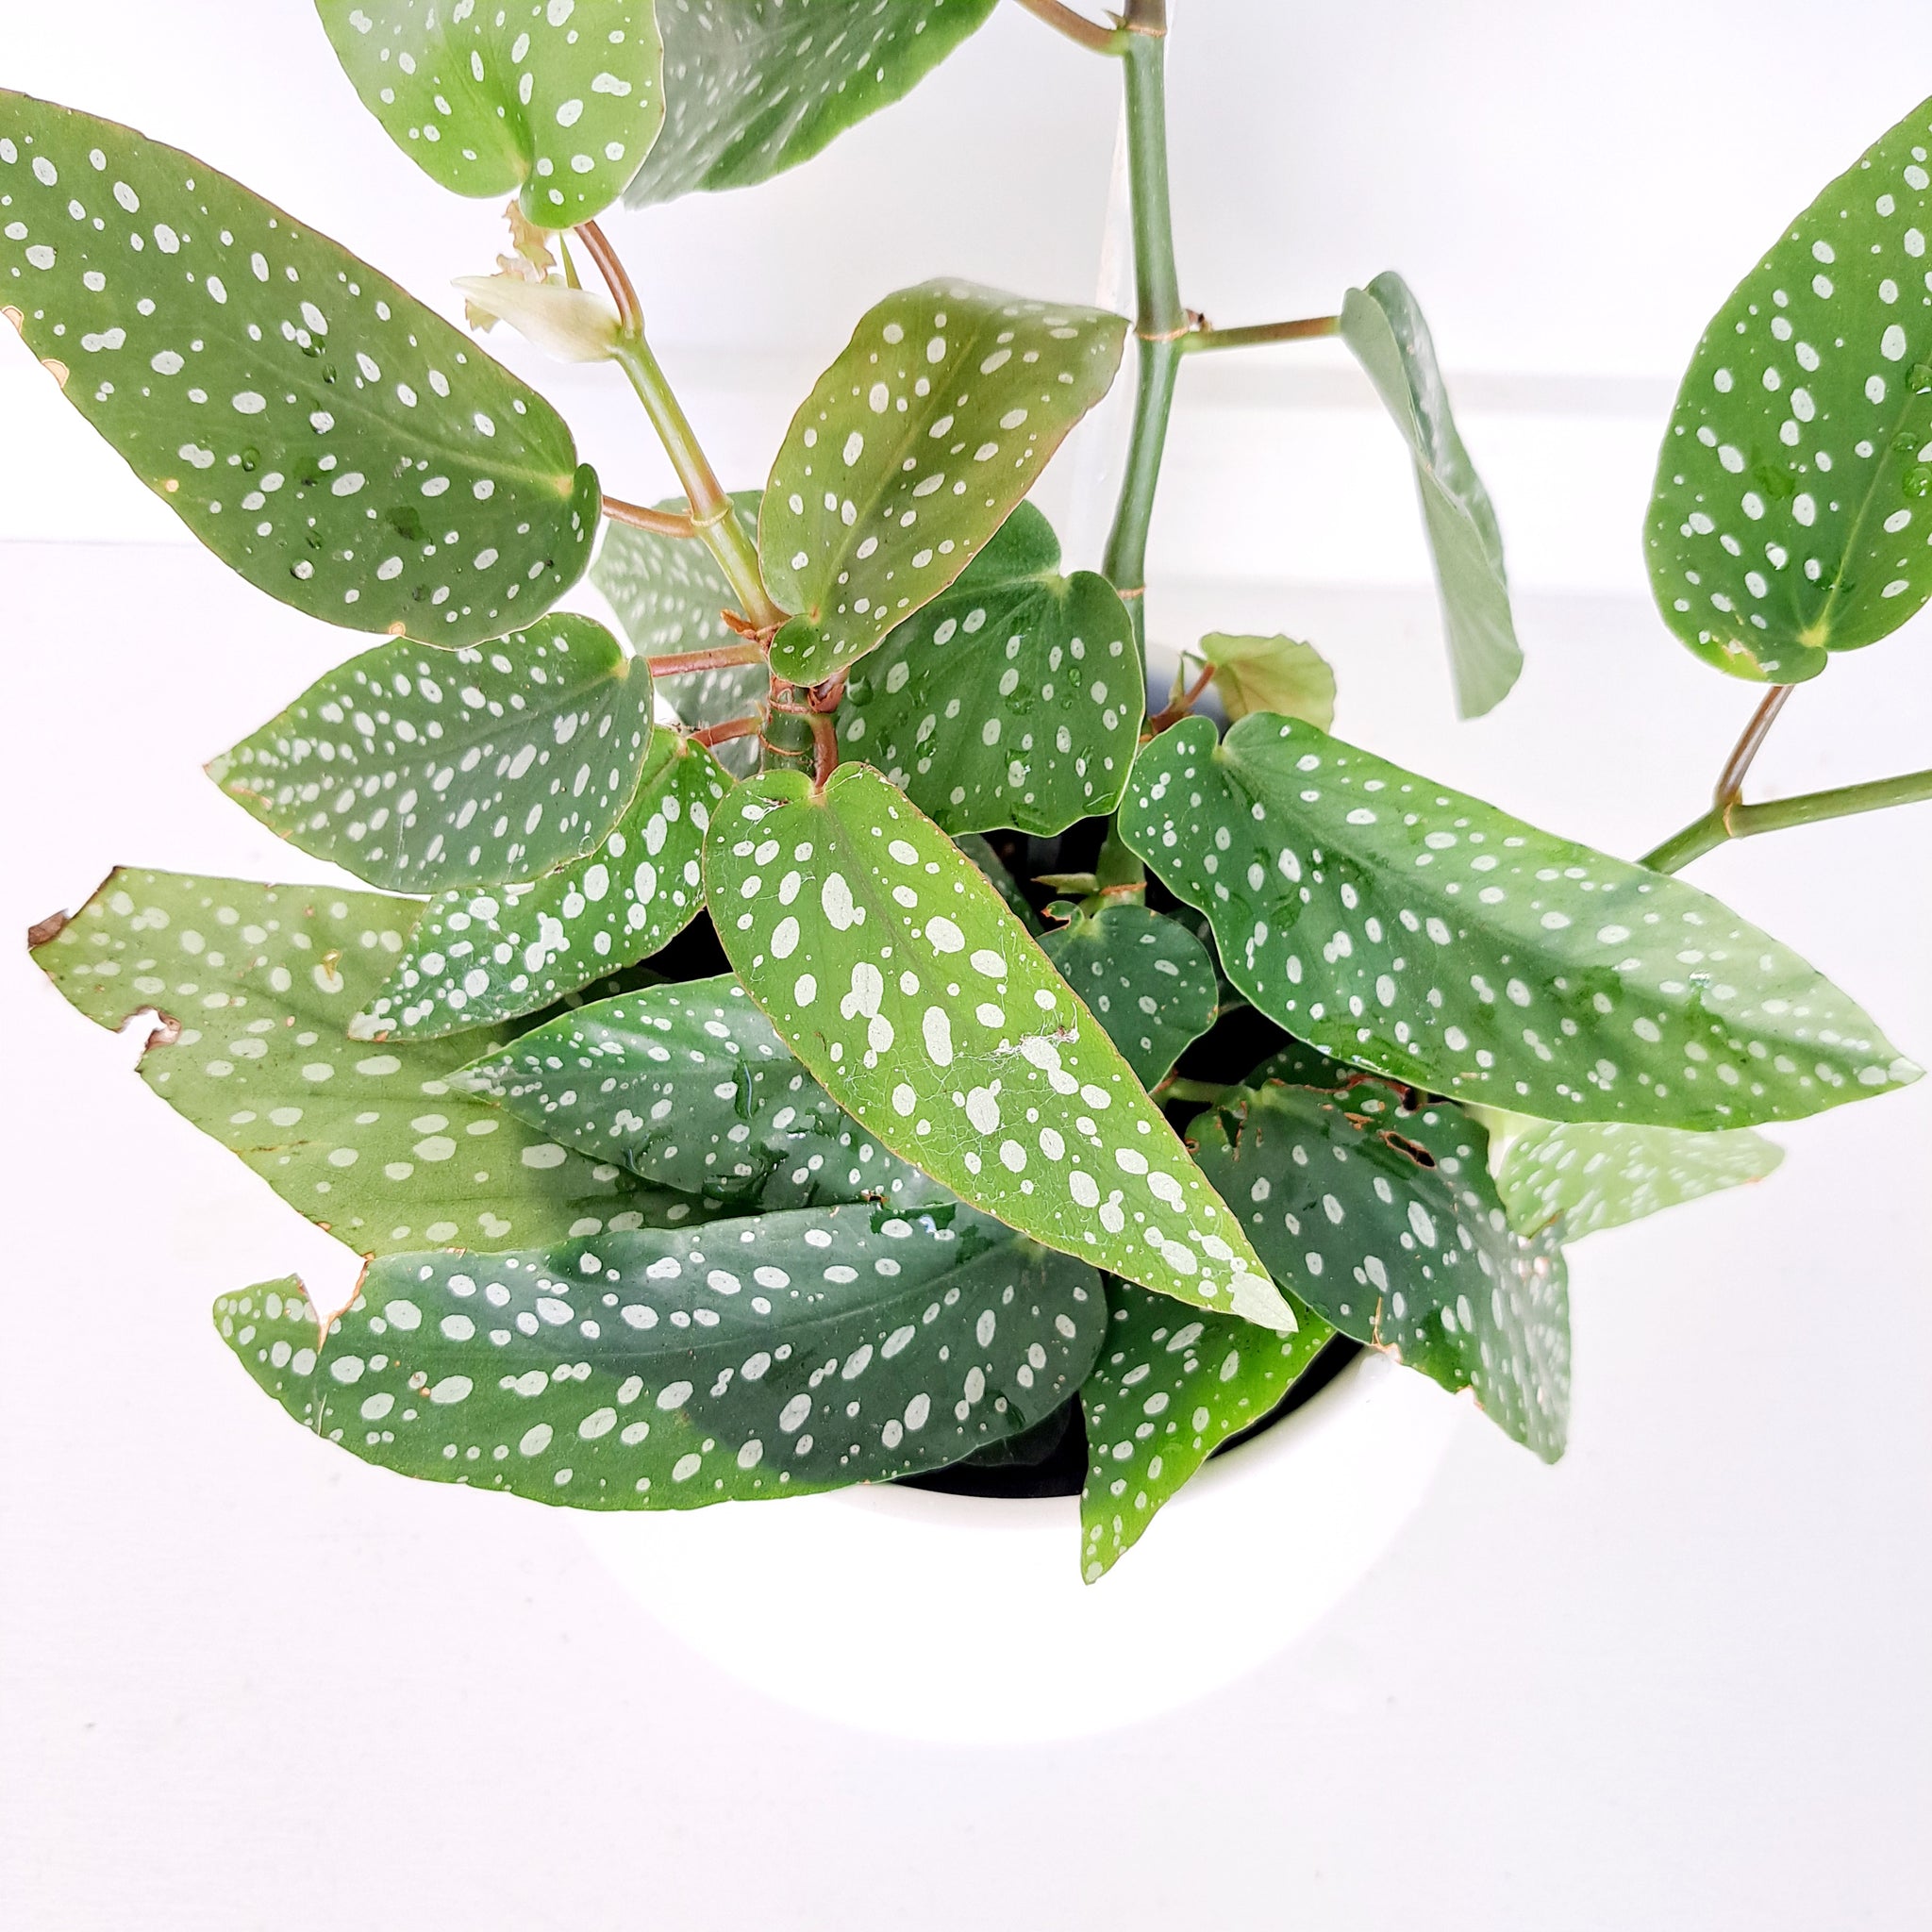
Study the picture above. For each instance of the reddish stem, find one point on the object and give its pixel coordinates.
(722, 734)
(663, 523)
(719, 658)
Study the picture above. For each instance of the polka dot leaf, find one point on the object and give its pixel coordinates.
(1170, 1387)
(1791, 515)
(891, 968)
(1402, 925)
(1584, 1175)
(753, 86)
(911, 451)
(421, 770)
(326, 435)
(558, 100)
(665, 1369)
(1014, 699)
(257, 985)
(1384, 326)
(671, 597)
(691, 1086)
(479, 956)
(1382, 1218)
(1279, 675)
(1145, 977)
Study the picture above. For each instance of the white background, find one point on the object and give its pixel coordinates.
(1680, 1680)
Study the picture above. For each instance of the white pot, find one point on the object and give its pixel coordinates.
(963, 1621)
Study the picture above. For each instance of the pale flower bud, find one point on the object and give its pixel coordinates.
(573, 325)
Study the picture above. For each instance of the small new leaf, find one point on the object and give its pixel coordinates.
(557, 99)
(753, 86)
(1170, 1387)
(891, 968)
(422, 770)
(254, 987)
(1791, 511)
(479, 956)
(326, 435)
(1279, 675)
(1384, 326)
(1407, 927)
(658, 1370)
(1015, 699)
(911, 451)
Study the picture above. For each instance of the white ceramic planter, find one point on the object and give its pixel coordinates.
(963, 1621)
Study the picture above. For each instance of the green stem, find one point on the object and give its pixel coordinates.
(1735, 821)
(1160, 321)
(711, 514)
(1256, 334)
(1076, 27)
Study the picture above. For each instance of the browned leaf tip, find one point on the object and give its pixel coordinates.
(50, 927)
(165, 1031)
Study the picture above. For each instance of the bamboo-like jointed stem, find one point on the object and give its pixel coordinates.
(1740, 821)
(711, 515)
(660, 523)
(1255, 334)
(1730, 783)
(1160, 321)
(1076, 27)
(719, 658)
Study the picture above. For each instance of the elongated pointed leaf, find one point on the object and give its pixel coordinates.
(1169, 1388)
(1408, 927)
(756, 86)
(557, 99)
(892, 969)
(424, 770)
(476, 956)
(1279, 675)
(671, 598)
(1014, 699)
(1145, 977)
(258, 985)
(337, 443)
(1383, 1219)
(1790, 517)
(1384, 326)
(1579, 1176)
(664, 1369)
(691, 1086)
(911, 451)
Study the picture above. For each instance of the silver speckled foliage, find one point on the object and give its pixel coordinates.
(847, 1026)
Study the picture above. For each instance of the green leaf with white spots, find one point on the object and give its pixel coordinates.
(1168, 1390)
(1384, 326)
(753, 86)
(1383, 1219)
(671, 597)
(1407, 927)
(326, 435)
(689, 1086)
(1279, 675)
(891, 968)
(911, 451)
(256, 987)
(1145, 977)
(1579, 1176)
(422, 770)
(1014, 699)
(1791, 514)
(558, 100)
(480, 955)
(661, 1369)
